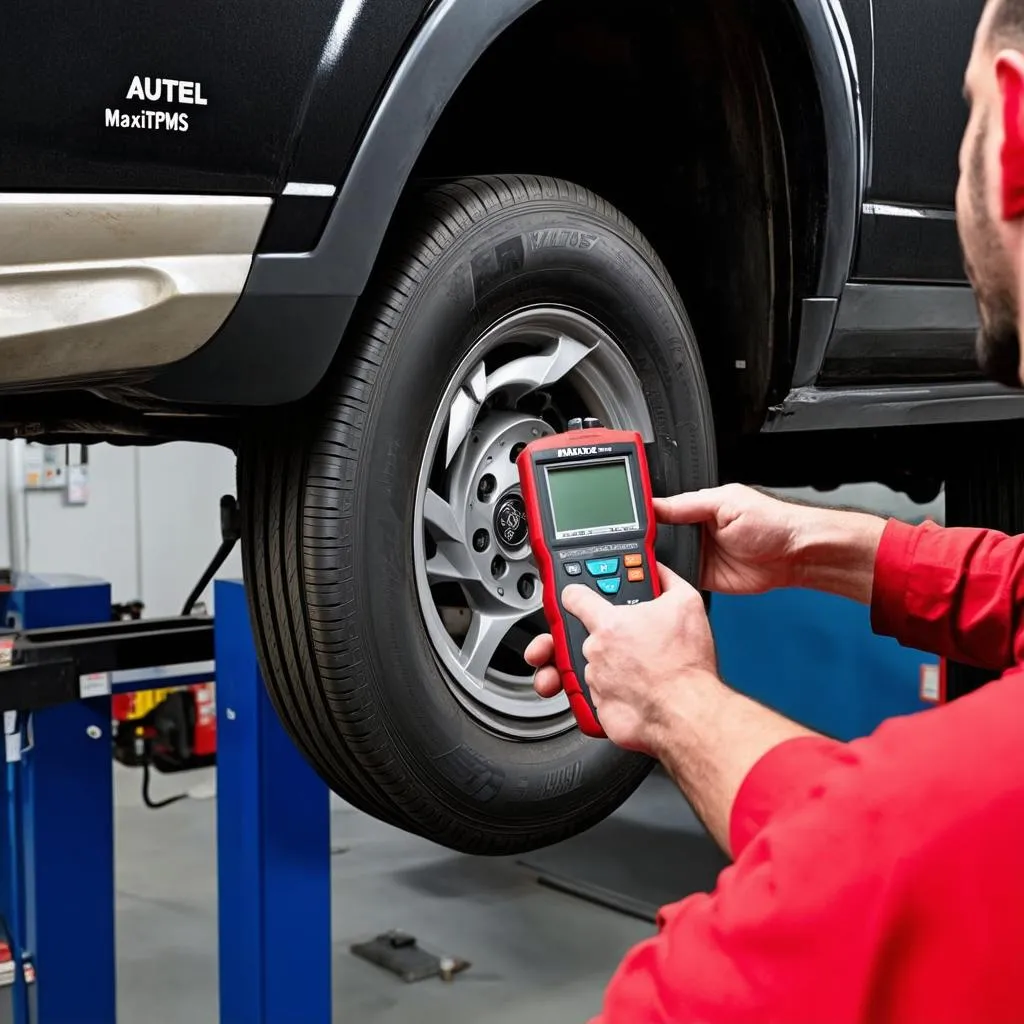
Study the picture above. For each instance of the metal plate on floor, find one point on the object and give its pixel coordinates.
(398, 952)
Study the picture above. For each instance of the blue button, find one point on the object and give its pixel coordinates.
(610, 584)
(602, 566)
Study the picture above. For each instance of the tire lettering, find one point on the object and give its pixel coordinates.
(561, 238)
(562, 781)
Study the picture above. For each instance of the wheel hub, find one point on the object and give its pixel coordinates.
(510, 522)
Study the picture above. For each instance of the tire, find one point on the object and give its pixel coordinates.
(348, 553)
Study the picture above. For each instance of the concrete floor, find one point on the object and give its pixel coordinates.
(537, 955)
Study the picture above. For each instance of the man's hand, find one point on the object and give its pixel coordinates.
(645, 662)
(753, 543)
(652, 675)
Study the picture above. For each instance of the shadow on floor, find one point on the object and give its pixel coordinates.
(653, 852)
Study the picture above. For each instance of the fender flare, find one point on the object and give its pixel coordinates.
(452, 38)
(839, 89)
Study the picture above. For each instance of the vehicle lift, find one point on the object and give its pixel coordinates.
(57, 890)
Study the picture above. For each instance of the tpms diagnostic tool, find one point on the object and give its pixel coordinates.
(591, 521)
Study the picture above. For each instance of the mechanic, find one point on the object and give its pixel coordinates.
(876, 880)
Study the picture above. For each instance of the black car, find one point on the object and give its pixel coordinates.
(375, 246)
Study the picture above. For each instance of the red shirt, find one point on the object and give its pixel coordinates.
(883, 879)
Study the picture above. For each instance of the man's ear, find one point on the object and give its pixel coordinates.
(1010, 75)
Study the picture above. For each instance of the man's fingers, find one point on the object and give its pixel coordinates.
(547, 682)
(587, 605)
(693, 507)
(540, 651)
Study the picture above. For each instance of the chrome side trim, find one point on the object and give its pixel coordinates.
(309, 188)
(95, 284)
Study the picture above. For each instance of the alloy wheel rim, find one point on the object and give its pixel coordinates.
(476, 581)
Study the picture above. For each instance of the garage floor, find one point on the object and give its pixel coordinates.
(537, 954)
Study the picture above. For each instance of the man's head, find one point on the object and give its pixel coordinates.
(990, 197)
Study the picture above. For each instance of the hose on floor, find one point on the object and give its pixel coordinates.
(148, 800)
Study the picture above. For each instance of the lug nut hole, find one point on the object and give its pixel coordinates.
(486, 487)
(498, 567)
(481, 540)
(516, 451)
(527, 585)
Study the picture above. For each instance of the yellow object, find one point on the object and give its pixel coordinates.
(143, 703)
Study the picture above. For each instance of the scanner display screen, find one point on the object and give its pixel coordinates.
(597, 498)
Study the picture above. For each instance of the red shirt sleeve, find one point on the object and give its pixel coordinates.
(874, 881)
(877, 880)
(958, 593)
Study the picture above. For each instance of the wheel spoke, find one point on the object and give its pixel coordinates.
(441, 519)
(452, 561)
(463, 411)
(486, 632)
(528, 373)
(516, 379)
(451, 564)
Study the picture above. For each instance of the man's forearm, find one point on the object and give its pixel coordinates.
(710, 739)
(836, 553)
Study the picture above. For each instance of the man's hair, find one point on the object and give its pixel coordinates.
(1008, 21)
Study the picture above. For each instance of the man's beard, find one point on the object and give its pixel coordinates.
(997, 345)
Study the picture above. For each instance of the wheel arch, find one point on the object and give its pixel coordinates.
(318, 289)
(453, 40)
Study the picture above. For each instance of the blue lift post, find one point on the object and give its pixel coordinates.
(273, 846)
(273, 814)
(814, 658)
(65, 802)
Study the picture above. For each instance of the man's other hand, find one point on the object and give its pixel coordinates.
(753, 543)
(641, 659)
(750, 540)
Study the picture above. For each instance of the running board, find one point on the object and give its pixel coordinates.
(818, 408)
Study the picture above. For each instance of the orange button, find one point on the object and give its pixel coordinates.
(631, 561)
(635, 575)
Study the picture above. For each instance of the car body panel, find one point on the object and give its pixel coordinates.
(330, 136)
(918, 117)
(66, 69)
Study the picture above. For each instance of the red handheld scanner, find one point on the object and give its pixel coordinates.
(591, 520)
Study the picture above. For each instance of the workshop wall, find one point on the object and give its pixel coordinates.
(150, 525)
